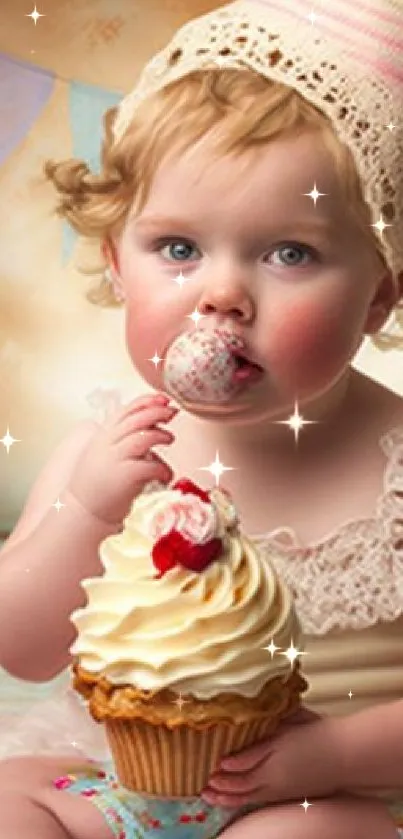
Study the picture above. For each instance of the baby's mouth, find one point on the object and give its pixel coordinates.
(247, 370)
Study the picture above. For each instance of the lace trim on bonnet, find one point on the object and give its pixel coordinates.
(352, 578)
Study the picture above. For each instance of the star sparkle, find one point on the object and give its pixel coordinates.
(314, 194)
(313, 17)
(305, 804)
(195, 316)
(391, 126)
(58, 505)
(35, 15)
(350, 694)
(271, 648)
(293, 653)
(180, 701)
(296, 422)
(380, 225)
(8, 440)
(155, 359)
(181, 280)
(216, 468)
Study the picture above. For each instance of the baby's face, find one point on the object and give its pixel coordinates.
(294, 279)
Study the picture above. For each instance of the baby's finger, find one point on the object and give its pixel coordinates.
(248, 758)
(139, 443)
(143, 420)
(231, 784)
(137, 404)
(145, 401)
(156, 469)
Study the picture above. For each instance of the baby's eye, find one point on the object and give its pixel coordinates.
(291, 255)
(178, 250)
(181, 250)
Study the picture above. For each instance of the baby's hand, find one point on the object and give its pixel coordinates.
(118, 462)
(299, 761)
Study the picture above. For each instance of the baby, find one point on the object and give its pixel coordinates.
(257, 136)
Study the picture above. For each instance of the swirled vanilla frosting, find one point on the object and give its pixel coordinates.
(194, 632)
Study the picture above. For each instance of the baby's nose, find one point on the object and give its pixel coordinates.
(227, 299)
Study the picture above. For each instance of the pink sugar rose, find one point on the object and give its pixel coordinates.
(190, 516)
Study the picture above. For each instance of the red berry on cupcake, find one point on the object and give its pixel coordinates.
(186, 486)
(173, 549)
(185, 530)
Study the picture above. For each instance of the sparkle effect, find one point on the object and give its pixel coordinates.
(305, 804)
(180, 279)
(180, 701)
(217, 469)
(195, 316)
(295, 422)
(350, 694)
(313, 17)
(58, 505)
(293, 653)
(8, 441)
(155, 359)
(391, 126)
(271, 648)
(35, 15)
(381, 225)
(314, 194)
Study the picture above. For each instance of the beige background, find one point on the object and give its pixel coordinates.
(55, 347)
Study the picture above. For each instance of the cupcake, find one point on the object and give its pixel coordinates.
(172, 650)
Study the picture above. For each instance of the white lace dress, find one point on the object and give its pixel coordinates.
(349, 595)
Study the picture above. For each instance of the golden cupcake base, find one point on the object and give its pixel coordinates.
(163, 746)
(176, 762)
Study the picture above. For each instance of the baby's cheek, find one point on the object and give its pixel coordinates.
(309, 342)
(150, 327)
(143, 340)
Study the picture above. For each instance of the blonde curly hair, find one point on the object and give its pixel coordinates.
(249, 111)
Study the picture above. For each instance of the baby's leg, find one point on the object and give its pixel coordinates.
(334, 818)
(32, 808)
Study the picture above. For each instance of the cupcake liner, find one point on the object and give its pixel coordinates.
(178, 762)
(161, 749)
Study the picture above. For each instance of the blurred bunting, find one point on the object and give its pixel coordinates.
(25, 91)
(87, 107)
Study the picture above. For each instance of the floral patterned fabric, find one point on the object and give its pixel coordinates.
(133, 816)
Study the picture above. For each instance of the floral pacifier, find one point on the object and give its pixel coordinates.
(204, 366)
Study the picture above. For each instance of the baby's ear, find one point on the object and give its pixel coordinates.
(109, 251)
(388, 293)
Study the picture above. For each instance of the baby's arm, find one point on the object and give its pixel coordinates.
(371, 746)
(41, 566)
(97, 473)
